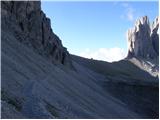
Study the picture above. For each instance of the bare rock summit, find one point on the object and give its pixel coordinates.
(143, 39)
(143, 45)
(155, 35)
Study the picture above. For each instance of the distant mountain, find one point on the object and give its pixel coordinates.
(40, 79)
(142, 40)
(143, 45)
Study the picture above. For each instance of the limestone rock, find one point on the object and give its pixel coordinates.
(31, 27)
(140, 41)
(155, 35)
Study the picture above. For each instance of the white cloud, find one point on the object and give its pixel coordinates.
(125, 4)
(105, 54)
(129, 12)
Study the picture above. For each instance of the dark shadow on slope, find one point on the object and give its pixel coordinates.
(142, 99)
(127, 82)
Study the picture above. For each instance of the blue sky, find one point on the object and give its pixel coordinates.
(96, 29)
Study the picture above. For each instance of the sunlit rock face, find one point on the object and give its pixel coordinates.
(143, 45)
(31, 26)
(143, 39)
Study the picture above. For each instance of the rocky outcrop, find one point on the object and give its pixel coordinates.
(30, 25)
(34, 88)
(143, 40)
(143, 45)
(155, 35)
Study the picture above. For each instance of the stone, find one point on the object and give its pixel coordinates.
(32, 87)
(140, 41)
(155, 35)
(31, 27)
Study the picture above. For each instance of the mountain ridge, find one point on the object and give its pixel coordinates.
(40, 81)
(33, 28)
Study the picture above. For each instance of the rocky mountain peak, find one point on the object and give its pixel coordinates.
(31, 27)
(155, 25)
(142, 39)
(155, 35)
(142, 21)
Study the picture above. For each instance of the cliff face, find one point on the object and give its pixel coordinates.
(143, 40)
(33, 87)
(155, 35)
(30, 25)
(143, 45)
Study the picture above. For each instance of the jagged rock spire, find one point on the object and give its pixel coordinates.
(140, 39)
(155, 35)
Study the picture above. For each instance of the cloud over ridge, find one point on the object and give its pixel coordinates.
(105, 54)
